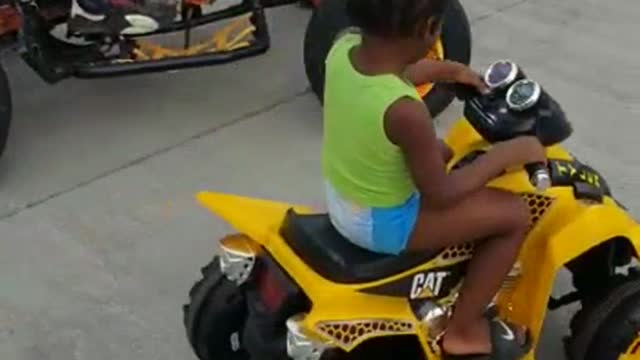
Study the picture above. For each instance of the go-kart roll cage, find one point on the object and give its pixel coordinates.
(54, 61)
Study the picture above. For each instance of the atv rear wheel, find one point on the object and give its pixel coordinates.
(330, 18)
(215, 316)
(610, 328)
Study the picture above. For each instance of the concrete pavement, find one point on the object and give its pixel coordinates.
(101, 238)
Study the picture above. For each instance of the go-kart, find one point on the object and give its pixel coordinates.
(40, 31)
(288, 285)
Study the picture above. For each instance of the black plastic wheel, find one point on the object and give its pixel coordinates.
(215, 316)
(609, 329)
(5, 109)
(330, 18)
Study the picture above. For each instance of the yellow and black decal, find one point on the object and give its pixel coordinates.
(586, 181)
(433, 283)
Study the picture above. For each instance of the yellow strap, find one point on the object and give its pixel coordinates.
(222, 40)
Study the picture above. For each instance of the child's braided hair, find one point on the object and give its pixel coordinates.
(395, 18)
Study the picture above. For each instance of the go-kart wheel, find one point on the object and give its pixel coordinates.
(609, 329)
(215, 316)
(5, 109)
(330, 18)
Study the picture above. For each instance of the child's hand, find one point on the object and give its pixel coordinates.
(466, 76)
(521, 151)
(444, 71)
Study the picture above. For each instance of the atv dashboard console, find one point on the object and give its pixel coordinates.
(514, 106)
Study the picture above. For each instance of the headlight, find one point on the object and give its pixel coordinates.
(501, 74)
(523, 95)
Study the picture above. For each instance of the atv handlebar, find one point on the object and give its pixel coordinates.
(495, 120)
(539, 176)
(514, 106)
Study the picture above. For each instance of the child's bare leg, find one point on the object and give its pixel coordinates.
(502, 219)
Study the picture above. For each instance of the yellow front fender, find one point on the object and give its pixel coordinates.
(543, 258)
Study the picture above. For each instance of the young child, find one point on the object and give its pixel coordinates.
(386, 185)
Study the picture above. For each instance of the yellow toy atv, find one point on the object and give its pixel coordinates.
(288, 286)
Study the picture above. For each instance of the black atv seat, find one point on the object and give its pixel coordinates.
(314, 239)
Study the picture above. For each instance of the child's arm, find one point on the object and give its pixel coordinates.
(445, 150)
(434, 71)
(407, 125)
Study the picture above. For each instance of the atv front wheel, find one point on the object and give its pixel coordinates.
(610, 328)
(330, 18)
(215, 316)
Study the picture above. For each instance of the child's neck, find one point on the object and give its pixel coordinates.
(377, 56)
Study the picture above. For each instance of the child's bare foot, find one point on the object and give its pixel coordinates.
(474, 338)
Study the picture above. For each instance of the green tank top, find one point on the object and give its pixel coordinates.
(358, 159)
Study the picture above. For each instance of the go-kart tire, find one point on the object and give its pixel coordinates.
(5, 109)
(607, 329)
(330, 17)
(215, 316)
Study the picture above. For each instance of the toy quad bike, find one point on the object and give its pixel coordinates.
(287, 285)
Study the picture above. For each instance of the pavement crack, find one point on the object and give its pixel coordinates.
(132, 163)
(497, 11)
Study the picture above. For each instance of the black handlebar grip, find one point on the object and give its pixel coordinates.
(533, 167)
(463, 92)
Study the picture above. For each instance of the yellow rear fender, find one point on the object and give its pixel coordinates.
(256, 218)
(541, 260)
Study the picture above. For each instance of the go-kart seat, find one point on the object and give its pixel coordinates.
(314, 239)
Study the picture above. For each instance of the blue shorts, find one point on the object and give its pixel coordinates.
(382, 230)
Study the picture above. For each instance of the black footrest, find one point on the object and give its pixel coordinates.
(274, 3)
